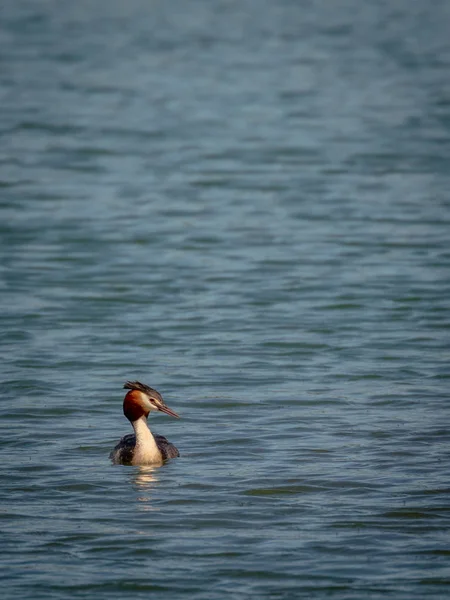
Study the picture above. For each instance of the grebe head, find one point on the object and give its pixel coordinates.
(141, 400)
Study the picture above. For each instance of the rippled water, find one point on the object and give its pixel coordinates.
(246, 206)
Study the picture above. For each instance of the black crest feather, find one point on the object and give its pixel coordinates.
(141, 387)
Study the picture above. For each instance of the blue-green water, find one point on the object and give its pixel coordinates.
(244, 205)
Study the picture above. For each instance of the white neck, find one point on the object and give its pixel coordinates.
(146, 451)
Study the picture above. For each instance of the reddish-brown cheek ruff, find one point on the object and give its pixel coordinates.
(132, 406)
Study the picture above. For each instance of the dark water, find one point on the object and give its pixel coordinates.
(245, 205)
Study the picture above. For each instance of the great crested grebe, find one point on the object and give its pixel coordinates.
(142, 447)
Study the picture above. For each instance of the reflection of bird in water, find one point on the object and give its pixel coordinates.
(146, 478)
(142, 447)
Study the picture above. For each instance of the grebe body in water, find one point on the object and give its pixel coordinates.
(142, 447)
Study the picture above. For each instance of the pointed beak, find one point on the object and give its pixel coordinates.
(168, 411)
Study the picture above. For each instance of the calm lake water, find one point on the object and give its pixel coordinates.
(245, 205)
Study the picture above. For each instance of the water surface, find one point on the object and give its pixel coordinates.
(244, 205)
